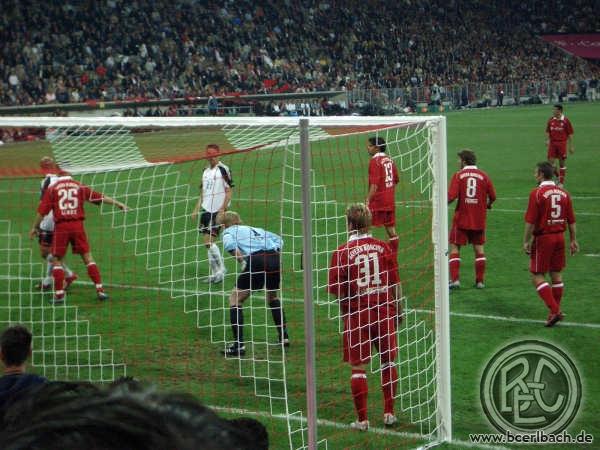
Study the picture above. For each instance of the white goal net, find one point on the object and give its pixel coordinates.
(166, 324)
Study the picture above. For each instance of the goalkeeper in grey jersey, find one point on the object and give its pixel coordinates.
(258, 251)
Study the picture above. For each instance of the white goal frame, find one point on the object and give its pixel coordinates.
(438, 162)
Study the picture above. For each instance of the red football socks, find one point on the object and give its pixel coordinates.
(389, 382)
(545, 293)
(562, 173)
(557, 292)
(394, 246)
(454, 261)
(479, 267)
(94, 274)
(58, 274)
(360, 390)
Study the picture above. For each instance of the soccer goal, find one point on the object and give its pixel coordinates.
(165, 324)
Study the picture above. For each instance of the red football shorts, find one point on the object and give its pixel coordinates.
(547, 253)
(383, 218)
(557, 150)
(459, 236)
(373, 327)
(69, 232)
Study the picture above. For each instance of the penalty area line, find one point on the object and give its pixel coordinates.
(299, 300)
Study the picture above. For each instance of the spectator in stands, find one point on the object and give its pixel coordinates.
(119, 52)
(15, 348)
(124, 416)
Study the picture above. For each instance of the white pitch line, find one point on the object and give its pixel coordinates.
(298, 300)
(344, 426)
(593, 255)
(245, 199)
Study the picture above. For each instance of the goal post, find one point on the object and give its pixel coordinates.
(166, 325)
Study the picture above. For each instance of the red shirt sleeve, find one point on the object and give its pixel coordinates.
(568, 127)
(45, 205)
(393, 276)
(91, 195)
(336, 285)
(453, 189)
(548, 126)
(373, 173)
(532, 208)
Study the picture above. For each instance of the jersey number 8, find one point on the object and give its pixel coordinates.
(471, 187)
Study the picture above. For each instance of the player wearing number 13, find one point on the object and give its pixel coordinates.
(549, 212)
(65, 198)
(363, 275)
(383, 178)
(475, 193)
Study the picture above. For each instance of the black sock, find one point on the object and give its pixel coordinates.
(278, 317)
(236, 316)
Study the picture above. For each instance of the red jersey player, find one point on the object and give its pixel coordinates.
(548, 215)
(363, 275)
(383, 178)
(560, 134)
(65, 198)
(475, 193)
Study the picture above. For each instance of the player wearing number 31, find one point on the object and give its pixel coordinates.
(549, 212)
(475, 193)
(363, 275)
(65, 198)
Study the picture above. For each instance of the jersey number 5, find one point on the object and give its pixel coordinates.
(68, 200)
(555, 204)
(366, 277)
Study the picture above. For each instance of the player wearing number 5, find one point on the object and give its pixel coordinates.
(363, 275)
(383, 178)
(549, 212)
(65, 198)
(475, 193)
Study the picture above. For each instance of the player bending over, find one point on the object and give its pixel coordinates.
(258, 251)
(65, 198)
(363, 275)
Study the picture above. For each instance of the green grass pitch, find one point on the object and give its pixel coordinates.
(145, 329)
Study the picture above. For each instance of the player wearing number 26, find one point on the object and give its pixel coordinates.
(65, 198)
(363, 275)
(474, 192)
(549, 212)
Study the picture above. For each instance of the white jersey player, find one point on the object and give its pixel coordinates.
(214, 200)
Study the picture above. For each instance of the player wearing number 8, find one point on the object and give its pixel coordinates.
(65, 198)
(475, 193)
(363, 275)
(549, 212)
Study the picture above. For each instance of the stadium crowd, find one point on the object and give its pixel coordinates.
(116, 49)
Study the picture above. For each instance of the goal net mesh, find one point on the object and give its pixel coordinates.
(165, 324)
